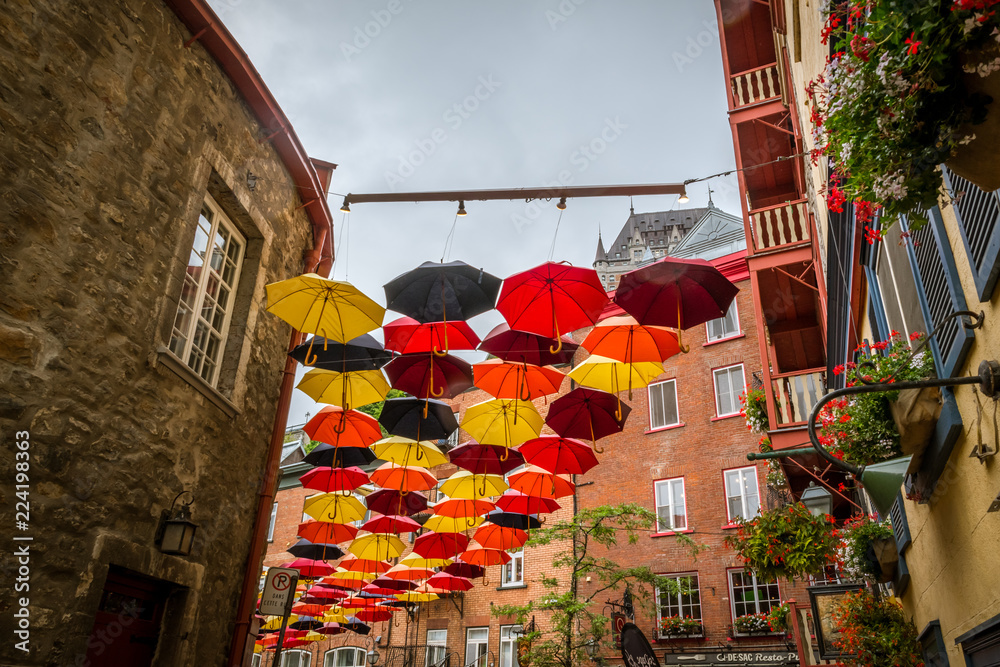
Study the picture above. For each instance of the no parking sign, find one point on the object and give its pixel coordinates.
(279, 591)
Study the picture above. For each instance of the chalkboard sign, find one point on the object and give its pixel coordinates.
(636, 651)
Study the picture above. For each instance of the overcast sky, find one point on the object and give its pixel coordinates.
(407, 95)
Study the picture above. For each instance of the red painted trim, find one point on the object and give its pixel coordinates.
(719, 419)
(733, 266)
(649, 406)
(684, 487)
(671, 533)
(725, 489)
(715, 388)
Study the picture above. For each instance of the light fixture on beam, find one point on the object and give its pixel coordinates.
(346, 206)
(461, 207)
(683, 199)
(562, 204)
(817, 500)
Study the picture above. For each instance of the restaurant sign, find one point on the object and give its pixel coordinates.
(717, 658)
(636, 651)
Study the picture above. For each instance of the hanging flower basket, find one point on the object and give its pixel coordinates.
(916, 413)
(976, 161)
(752, 624)
(678, 626)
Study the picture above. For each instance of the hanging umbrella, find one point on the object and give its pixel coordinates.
(355, 625)
(406, 573)
(461, 507)
(624, 339)
(447, 524)
(310, 568)
(403, 478)
(333, 309)
(334, 507)
(552, 299)
(396, 585)
(414, 596)
(349, 580)
(306, 549)
(374, 615)
(449, 582)
(477, 555)
(335, 615)
(495, 536)
(525, 382)
(526, 347)
(436, 292)
(376, 547)
(407, 336)
(514, 520)
(324, 592)
(358, 565)
(678, 293)
(363, 353)
(502, 422)
(427, 375)
(559, 455)
(440, 545)
(330, 629)
(534, 481)
(406, 452)
(405, 417)
(467, 570)
(324, 532)
(416, 560)
(324, 455)
(391, 524)
(345, 428)
(309, 598)
(486, 459)
(388, 501)
(308, 611)
(614, 376)
(344, 389)
(520, 503)
(330, 480)
(587, 413)
(274, 623)
(467, 485)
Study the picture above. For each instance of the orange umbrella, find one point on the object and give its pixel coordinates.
(492, 536)
(404, 573)
(324, 532)
(365, 565)
(458, 507)
(343, 428)
(521, 381)
(533, 481)
(624, 339)
(478, 555)
(310, 609)
(403, 478)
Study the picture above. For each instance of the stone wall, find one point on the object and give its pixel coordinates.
(111, 133)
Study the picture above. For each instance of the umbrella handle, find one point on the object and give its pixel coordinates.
(542, 520)
(555, 326)
(436, 394)
(430, 387)
(343, 423)
(427, 402)
(307, 362)
(618, 410)
(680, 332)
(506, 454)
(482, 493)
(442, 353)
(596, 448)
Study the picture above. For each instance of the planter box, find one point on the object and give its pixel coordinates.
(916, 413)
(977, 161)
(887, 556)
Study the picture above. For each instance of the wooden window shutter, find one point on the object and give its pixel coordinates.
(978, 215)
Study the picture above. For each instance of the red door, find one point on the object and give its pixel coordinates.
(127, 623)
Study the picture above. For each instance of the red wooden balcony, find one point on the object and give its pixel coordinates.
(779, 226)
(755, 85)
(795, 394)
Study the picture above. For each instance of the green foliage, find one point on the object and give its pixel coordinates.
(777, 618)
(754, 410)
(859, 560)
(375, 409)
(309, 446)
(876, 632)
(787, 542)
(752, 623)
(680, 625)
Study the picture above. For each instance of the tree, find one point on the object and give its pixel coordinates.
(375, 409)
(572, 622)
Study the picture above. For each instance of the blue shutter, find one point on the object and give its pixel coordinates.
(900, 528)
(978, 215)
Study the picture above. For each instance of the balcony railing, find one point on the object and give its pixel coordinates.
(755, 85)
(795, 394)
(780, 225)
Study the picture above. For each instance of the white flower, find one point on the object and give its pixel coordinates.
(967, 140)
(891, 186)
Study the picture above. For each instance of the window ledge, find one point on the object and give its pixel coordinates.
(724, 340)
(719, 419)
(669, 533)
(731, 526)
(511, 587)
(171, 361)
(665, 428)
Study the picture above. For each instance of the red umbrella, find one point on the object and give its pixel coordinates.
(552, 299)
(449, 582)
(346, 584)
(373, 615)
(492, 536)
(504, 379)
(406, 336)
(678, 293)
(427, 375)
(323, 532)
(400, 571)
(330, 629)
(477, 555)
(520, 503)
(485, 459)
(391, 524)
(526, 347)
(459, 507)
(393, 584)
(343, 428)
(324, 592)
(467, 570)
(309, 609)
(359, 602)
(586, 413)
(559, 455)
(388, 501)
(403, 478)
(440, 545)
(534, 481)
(329, 480)
(310, 568)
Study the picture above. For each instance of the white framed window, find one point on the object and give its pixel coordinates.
(477, 644)
(726, 326)
(255, 660)
(729, 384)
(200, 328)
(453, 438)
(508, 647)
(437, 647)
(270, 526)
(512, 572)
(684, 602)
(671, 508)
(750, 595)
(295, 658)
(742, 495)
(663, 410)
(345, 656)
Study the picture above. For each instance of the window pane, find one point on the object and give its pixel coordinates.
(680, 520)
(669, 390)
(750, 495)
(663, 513)
(723, 392)
(657, 418)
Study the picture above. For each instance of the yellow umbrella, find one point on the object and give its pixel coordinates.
(502, 421)
(274, 622)
(447, 524)
(344, 389)
(407, 452)
(415, 560)
(414, 596)
(333, 309)
(335, 615)
(334, 508)
(467, 485)
(377, 546)
(353, 575)
(313, 636)
(614, 376)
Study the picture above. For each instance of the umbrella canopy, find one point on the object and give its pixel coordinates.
(520, 503)
(376, 547)
(447, 524)
(391, 524)
(334, 507)
(324, 455)
(534, 481)
(389, 501)
(406, 452)
(478, 555)
(344, 389)
(310, 568)
(406, 336)
(428, 375)
(552, 299)
(406, 573)
(324, 532)
(374, 615)
(505, 379)
(467, 570)
(349, 580)
(495, 536)
(434, 292)
(413, 596)
(526, 347)
(355, 625)
(363, 353)
(440, 545)
(308, 610)
(559, 455)
(330, 480)
(333, 309)
(449, 582)
(403, 478)
(485, 459)
(678, 293)
(624, 339)
(416, 560)
(405, 417)
(514, 520)
(344, 428)
(462, 507)
(330, 629)
(587, 413)
(466, 485)
(324, 592)
(306, 549)
(502, 422)
(363, 565)
(615, 376)
(394, 584)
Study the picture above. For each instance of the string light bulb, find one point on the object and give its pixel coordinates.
(562, 204)
(461, 207)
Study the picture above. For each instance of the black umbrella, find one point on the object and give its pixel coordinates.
(306, 549)
(356, 626)
(401, 604)
(467, 570)
(363, 353)
(405, 417)
(435, 292)
(514, 520)
(339, 457)
(306, 623)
